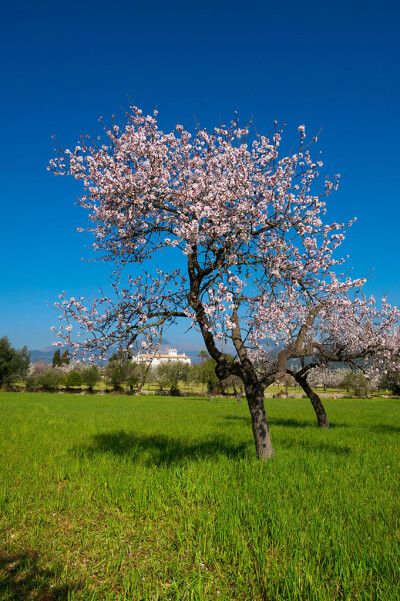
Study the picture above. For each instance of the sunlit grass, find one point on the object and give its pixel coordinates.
(162, 498)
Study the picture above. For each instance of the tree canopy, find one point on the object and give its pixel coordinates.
(14, 364)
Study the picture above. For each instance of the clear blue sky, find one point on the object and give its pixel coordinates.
(63, 65)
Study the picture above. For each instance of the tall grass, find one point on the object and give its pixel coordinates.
(150, 498)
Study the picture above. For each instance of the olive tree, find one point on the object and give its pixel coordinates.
(14, 364)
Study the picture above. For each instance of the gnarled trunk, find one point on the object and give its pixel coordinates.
(262, 438)
(315, 401)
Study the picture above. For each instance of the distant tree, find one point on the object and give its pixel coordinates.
(146, 374)
(116, 370)
(90, 376)
(51, 379)
(208, 376)
(236, 383)
(65, 358)
(231, 381)
(170, 373)
(32, 383)
(390, 381)
(192, 378)
(114, 375)
(38, 368)
(73, 378)
(156, 376)
(326, 377)
(287, 381)
(57, 358)
(358, 382)
(14, 364)
(203, 355)
(132, 374)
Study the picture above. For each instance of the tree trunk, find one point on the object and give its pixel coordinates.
(236, 393)
(262, 439)
(316, 402)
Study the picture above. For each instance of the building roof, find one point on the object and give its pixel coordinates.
(162, 356)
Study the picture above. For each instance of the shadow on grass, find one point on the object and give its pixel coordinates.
(309, 423)
(158, 449)
(23, 578)
(292, 423)
(236, 418)
(325, 448)
(288, 422)
(385, 429)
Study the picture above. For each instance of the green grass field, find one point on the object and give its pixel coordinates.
(162, 498)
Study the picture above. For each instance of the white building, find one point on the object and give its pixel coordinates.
(159, 358)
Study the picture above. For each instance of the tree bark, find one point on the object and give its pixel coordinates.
(316, 402)
(262, 438)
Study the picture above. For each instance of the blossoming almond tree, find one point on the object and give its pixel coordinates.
(244, 234)
(352, 331)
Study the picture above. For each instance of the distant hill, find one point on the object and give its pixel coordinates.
(46, 354)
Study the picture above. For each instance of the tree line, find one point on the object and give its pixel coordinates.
(121, 373)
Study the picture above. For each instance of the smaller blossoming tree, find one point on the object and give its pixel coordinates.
(355, 332)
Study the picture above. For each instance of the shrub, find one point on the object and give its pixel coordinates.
(32, 383)
(73, 378)
(51, 379)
